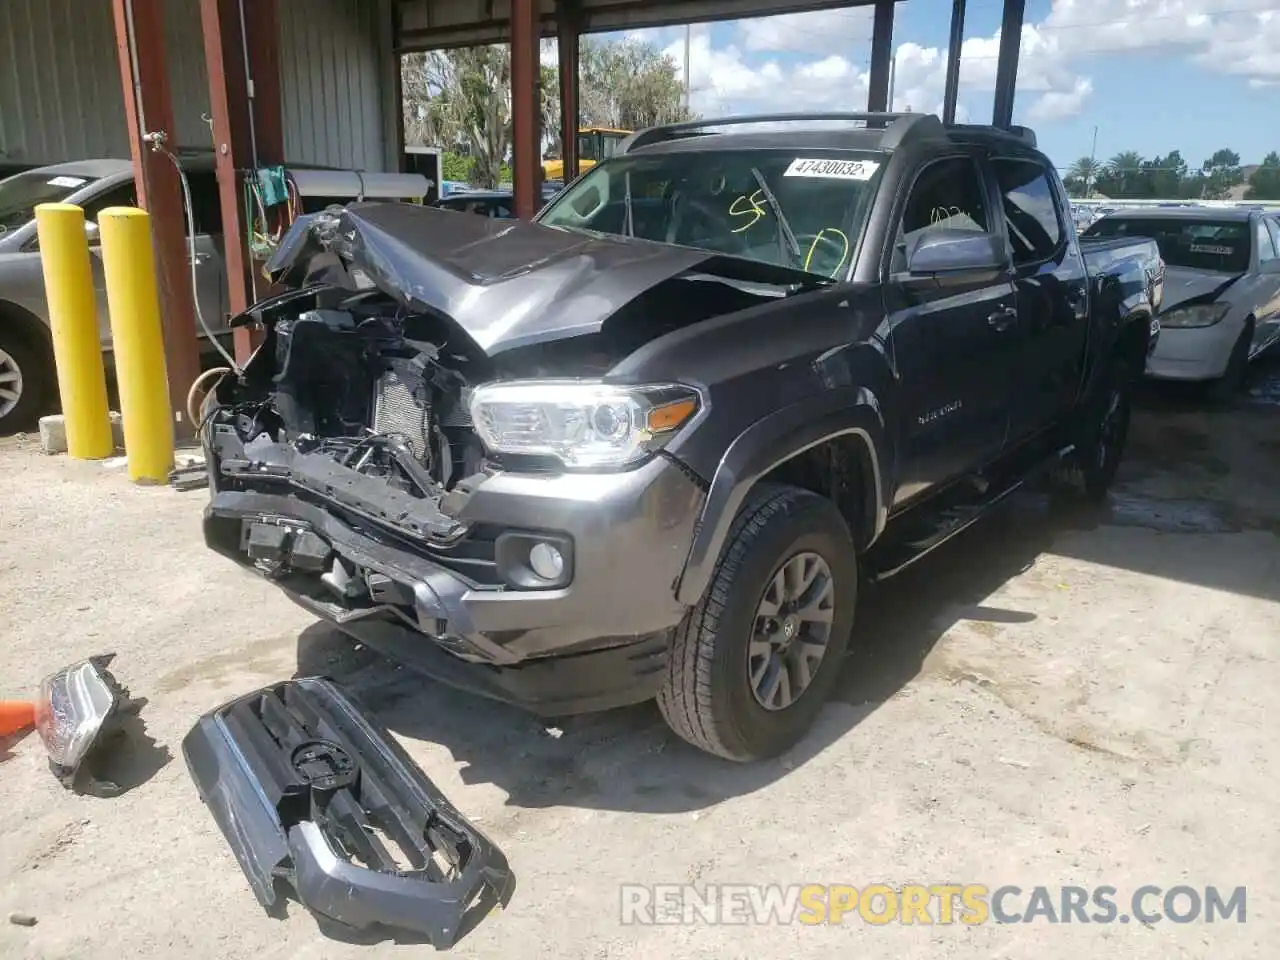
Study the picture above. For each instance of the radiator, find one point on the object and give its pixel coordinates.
(397, 410)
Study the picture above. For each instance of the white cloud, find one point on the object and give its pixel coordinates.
(824, 31)
(1240, 37)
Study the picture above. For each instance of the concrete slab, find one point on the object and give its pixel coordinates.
(1055, 698)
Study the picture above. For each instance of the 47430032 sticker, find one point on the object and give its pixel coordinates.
(832, 169)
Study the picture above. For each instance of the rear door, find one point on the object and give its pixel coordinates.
(210, 264)
(1052, 293)
(953, 338)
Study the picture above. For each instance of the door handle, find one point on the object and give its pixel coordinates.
(1002, 320)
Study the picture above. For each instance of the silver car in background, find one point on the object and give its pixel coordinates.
(1221, 288)
(28, 382)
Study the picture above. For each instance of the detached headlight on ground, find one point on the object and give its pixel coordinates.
(77, 709)
(1200, 315)
(581, 423)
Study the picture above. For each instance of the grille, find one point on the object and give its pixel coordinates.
(397, 410)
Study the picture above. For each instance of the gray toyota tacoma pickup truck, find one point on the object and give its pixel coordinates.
(650, 445)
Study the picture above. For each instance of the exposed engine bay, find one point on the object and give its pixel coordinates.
(356, 400)
(359, 395)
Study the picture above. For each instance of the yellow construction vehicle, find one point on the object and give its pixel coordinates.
(594, 144)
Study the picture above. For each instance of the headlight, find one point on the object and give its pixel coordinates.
(582, 423)
(1201, 315)
(74, 709)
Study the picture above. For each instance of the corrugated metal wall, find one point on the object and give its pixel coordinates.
(60, 96)
(330, 84)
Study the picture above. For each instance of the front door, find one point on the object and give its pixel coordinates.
(1052, 291)
(953, 338)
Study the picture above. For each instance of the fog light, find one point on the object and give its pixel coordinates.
(546, 561)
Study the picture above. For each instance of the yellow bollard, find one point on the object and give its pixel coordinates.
(73, 317)
(128, 259)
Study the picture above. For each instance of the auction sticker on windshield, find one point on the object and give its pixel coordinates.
(832, 169)
(66, 182)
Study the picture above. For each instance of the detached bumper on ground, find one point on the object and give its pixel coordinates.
(309, 791)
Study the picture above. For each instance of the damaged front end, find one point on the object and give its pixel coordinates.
(311, 794)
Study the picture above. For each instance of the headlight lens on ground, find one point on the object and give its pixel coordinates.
(581, 423)
(1200, 315)
(74, 704)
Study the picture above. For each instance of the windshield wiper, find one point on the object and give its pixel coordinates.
(785, 227)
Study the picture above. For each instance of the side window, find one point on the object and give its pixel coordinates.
(948, 194)
(1274, 227)
(1030, 210)
(1266, 245)
(206, 204)
(125, 195)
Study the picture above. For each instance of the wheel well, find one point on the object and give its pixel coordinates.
(1131, 346)
(841, 470)
(27, 325)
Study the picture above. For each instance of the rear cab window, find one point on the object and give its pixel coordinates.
(804, 210)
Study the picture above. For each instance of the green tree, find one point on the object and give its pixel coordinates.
(1122, 175)
(1081, 176)
(461, 99)
(1221, 173)
(1264, 183)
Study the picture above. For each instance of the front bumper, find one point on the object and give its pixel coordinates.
(630, 534)
(310, 792)
(1193, 353)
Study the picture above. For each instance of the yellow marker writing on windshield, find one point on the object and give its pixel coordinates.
(814, 246)
(751, 209)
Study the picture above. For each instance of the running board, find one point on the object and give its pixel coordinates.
(894, 557)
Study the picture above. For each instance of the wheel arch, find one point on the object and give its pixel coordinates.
(832, 445)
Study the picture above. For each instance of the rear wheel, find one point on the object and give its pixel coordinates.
(752, 664)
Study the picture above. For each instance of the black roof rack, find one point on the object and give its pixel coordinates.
(897, 126)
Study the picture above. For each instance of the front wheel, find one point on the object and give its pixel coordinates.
(24, 382)
(752, 664)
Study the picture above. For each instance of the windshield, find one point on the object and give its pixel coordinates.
(20, 193)
(1220, 245)
(801, 210)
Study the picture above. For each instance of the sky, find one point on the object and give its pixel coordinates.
(1150, 75)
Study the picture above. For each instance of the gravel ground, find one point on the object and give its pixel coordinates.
(1052, 699)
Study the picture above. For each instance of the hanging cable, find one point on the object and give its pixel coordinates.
(157, 140)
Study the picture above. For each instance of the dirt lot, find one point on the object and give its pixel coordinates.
(1052, 699)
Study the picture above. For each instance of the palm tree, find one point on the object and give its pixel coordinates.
(1124, 166)
(1085, 170)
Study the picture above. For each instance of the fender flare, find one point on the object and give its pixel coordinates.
(765, 445)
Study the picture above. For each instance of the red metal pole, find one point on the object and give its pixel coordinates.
(526, 112)
(144, 74)
(240, 122)
(567, 25)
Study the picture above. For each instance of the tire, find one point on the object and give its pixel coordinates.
(708, 697)
(1101, 438)
(1225, 388)
(25, 370)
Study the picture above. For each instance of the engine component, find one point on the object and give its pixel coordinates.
(401, 406)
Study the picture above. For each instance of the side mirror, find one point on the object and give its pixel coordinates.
(91, 231)
(955, 251)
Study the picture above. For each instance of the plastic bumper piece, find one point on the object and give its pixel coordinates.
(309, 791)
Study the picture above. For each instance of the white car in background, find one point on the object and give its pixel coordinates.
(1221, 288)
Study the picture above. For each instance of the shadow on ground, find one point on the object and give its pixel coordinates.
(1186, 471)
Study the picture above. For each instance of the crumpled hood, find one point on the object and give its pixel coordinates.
(507, 283)
(1184, 286)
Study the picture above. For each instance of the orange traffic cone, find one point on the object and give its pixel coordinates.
(16, 715)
